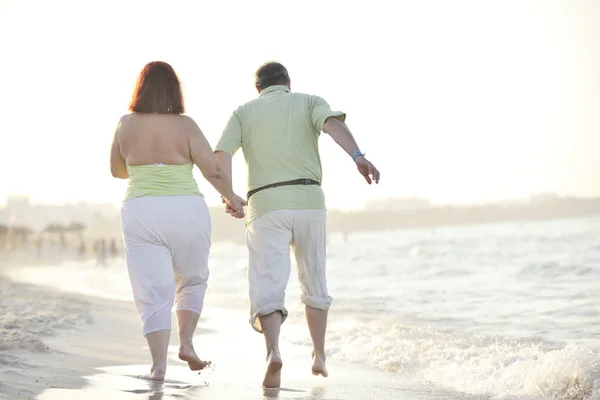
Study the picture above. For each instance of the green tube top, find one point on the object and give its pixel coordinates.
(161, 180)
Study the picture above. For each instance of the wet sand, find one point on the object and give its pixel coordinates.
(101, 351)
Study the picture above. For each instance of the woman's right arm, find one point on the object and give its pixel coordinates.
(203, 156)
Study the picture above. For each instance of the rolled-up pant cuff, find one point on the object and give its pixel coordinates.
(266, 310)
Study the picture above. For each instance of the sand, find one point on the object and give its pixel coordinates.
(59, 346)
(51, 339)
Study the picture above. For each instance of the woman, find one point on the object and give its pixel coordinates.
(164, 218)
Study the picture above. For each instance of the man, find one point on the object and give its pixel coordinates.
(278, 133)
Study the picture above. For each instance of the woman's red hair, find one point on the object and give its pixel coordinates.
(157, 90)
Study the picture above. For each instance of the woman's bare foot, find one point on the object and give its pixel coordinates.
(273, 375)
(156, 374)
(318, 367)
(188, 354)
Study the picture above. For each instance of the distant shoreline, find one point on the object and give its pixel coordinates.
(98, 222)
(226, 228)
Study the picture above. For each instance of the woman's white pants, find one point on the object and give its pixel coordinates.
(167, 243)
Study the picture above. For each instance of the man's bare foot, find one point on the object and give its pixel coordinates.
(156, 374)
(318, 367)
(273, 375)
(188, 354)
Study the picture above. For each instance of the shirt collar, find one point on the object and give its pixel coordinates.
(274, 88)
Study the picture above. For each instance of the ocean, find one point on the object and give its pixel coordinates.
(498, 311)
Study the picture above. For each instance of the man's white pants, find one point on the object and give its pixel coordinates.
(269, 238)
(167, 242)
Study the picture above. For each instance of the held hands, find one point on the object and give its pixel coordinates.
(367, 169)
(235, 206)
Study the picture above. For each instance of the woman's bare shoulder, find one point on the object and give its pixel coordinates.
(189, 123)
(136, 121)
(125, 118)
(174, 118)
(186, 119)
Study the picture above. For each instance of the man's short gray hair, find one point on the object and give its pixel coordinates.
(269, 74)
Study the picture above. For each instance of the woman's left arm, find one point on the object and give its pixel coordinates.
(118, 168)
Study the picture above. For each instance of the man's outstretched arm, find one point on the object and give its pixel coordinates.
(341, 134)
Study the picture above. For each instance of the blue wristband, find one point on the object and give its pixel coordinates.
(356, 154)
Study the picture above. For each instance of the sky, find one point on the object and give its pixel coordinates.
(454, 101)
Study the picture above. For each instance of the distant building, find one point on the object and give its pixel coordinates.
(17, 201)
(20, 211)
(17, 207)
(544, 198)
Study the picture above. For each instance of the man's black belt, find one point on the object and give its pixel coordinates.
(286, 183)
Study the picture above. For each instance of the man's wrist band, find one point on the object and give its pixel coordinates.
(356, 154)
